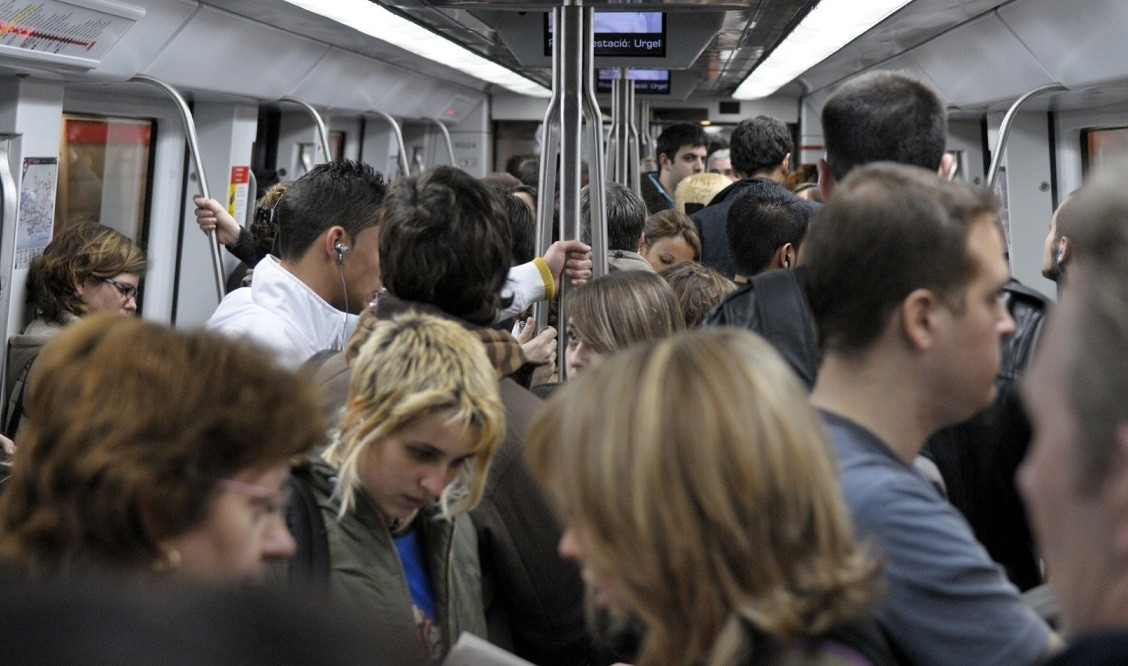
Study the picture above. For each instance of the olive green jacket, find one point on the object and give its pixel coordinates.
(366, 574)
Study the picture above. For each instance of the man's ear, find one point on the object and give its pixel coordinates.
(663, 162)
(785, 165)
(918, 318)
(1063, 250)
(826, 179)
(787, 255)
(333, 235)
(642, 246)
(947, 164)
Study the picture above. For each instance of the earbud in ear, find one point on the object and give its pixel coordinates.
(1058, 255)
(342, 250)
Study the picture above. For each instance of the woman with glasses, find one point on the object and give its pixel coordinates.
(153, 453)
(421, 424)
(88, 268)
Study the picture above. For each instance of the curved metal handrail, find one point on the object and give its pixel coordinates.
(399, 141)
(1005, 127)
(322, 133)
(446, 137)
(194, 148)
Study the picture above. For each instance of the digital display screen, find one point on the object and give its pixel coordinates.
(646, 81)
(625, 34)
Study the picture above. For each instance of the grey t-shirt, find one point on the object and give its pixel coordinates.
(947, 602)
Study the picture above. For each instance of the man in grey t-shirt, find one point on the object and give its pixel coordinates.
(903, 278)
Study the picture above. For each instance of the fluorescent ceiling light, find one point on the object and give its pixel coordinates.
(828, 27)
(375, 21)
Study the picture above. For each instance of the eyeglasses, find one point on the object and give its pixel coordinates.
(269, 501)
(129, 291)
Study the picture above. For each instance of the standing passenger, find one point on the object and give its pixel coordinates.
(154, 453)
(447, 245)
(681, 153)
(328, 268)
(422, 422)
(1075, 476)
(912, 344)
(761, 148)
(725, 531)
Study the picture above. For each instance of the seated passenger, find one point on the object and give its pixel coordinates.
(88, 268)
(723, 531)
(615, 311)
(408, 461)
(912, 344)
(669, 238)
(150, 453)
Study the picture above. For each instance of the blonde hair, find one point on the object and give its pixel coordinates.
(700, 188)
(695, 471)
(411, 366)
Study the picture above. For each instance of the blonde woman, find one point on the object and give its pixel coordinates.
(422, 421)
(700, 496)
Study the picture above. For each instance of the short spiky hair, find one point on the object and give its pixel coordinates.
(411, 366)
(341, 193)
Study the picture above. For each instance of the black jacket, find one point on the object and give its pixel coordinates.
(774, 304)
(712, 224)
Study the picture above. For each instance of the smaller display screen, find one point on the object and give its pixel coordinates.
(646, 81)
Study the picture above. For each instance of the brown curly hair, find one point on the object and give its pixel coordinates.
(84, 251)
(130, 427)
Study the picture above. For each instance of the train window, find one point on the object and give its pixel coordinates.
(105, 165)
(1101, 146)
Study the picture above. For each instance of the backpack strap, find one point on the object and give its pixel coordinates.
(14, 412)
(309, 567)
(785, 320)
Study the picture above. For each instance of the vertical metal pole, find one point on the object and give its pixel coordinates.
(546, 182)
(644, 129)
(613, 136)
(597, 174)
(197, 160)
(620, 130)
(634, 154)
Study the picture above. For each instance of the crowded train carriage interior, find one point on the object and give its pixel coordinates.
(468, 84)
(125, 112)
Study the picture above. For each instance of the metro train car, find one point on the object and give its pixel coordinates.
(89, 130)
